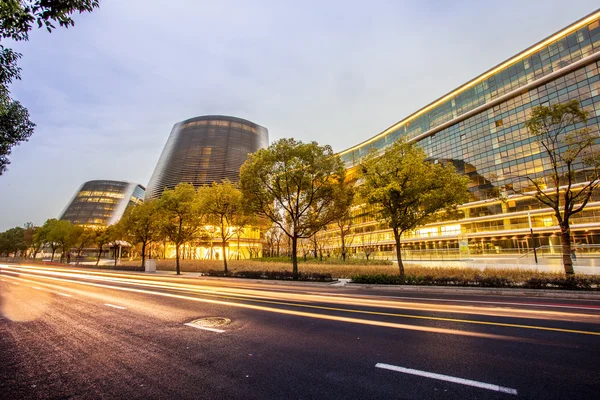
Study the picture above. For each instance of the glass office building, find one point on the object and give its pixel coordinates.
(102, 203)
(479, 127)
(204, 150)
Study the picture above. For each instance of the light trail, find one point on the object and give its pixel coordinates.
(260, 295)
(322, 316)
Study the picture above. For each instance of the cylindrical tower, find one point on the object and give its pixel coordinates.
(206, 149)
(102, 202)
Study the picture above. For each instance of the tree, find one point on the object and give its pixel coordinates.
(574, 157)
(45, 235)
(343, 211)
(61, 235)
(13, 241)
(293, 184)
(141, 224)
(222, 203)
(407, 189)
(370, 240)
(182, 217)
(15, 127)
(16, 20)
(101, 237)
(84, 237)
(273, 237)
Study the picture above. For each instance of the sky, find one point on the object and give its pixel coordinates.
(105, 93)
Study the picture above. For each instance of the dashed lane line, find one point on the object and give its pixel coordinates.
(448, 378)
(204, 328)
(113, 306)
(64, 294)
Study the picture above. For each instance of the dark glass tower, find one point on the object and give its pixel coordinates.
(102, 203)
(206, 149)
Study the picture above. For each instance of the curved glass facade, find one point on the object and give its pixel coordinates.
(206, 149)
(479, 127)
(102, 203)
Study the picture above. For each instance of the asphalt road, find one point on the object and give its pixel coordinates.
(68, 333)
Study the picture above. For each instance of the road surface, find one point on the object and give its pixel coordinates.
(84, 334)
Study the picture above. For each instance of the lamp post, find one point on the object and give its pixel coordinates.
(532, 237)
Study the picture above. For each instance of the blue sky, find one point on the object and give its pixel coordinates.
(105, 93)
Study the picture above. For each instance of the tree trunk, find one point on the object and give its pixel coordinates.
(99, 255)
(294, 257)
(223, 243)
(143, 254)
(399, 253)
(565, 239)
(177, 259)
(52, 258)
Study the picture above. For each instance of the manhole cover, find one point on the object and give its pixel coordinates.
(210, 322)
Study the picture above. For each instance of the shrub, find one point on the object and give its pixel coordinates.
(544, 281)
(279, 275)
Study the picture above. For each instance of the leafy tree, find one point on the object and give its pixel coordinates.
(407, 189)
(273, 237)
(293, 184)
(16, 20)
(61, 234)
(83, 237)
(182, 216)
(13, 241)
(141, 224)
(222, 203)
(46, 235)
(29, 234)
(15, 127)
(573, 154)
(343, 211)
(101, 237)
(370, 240)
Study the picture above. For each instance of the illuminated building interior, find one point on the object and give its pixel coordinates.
(479, 127)
(102, 203)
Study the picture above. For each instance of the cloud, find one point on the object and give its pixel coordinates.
(105, 93)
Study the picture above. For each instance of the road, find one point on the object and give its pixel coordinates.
(84, 334)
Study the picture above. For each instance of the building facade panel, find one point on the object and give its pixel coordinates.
(479, 127)
(206, 149)
(102, 202)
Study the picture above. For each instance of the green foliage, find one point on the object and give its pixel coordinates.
(407, 190)
(561, 132)
(274, 275)
(482, 280)
(13, 241)
(142, 224)
(222, 203)
(293, 184)
(15, 127)
(18, 16)
(182, 216)
(16, 20)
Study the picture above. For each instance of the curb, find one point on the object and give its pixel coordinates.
(565, 294)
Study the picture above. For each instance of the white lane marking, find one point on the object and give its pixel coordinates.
(64, 294)
(448, 378)
(16, 283)
(36, 288)
(113, 306)
(205, 328)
